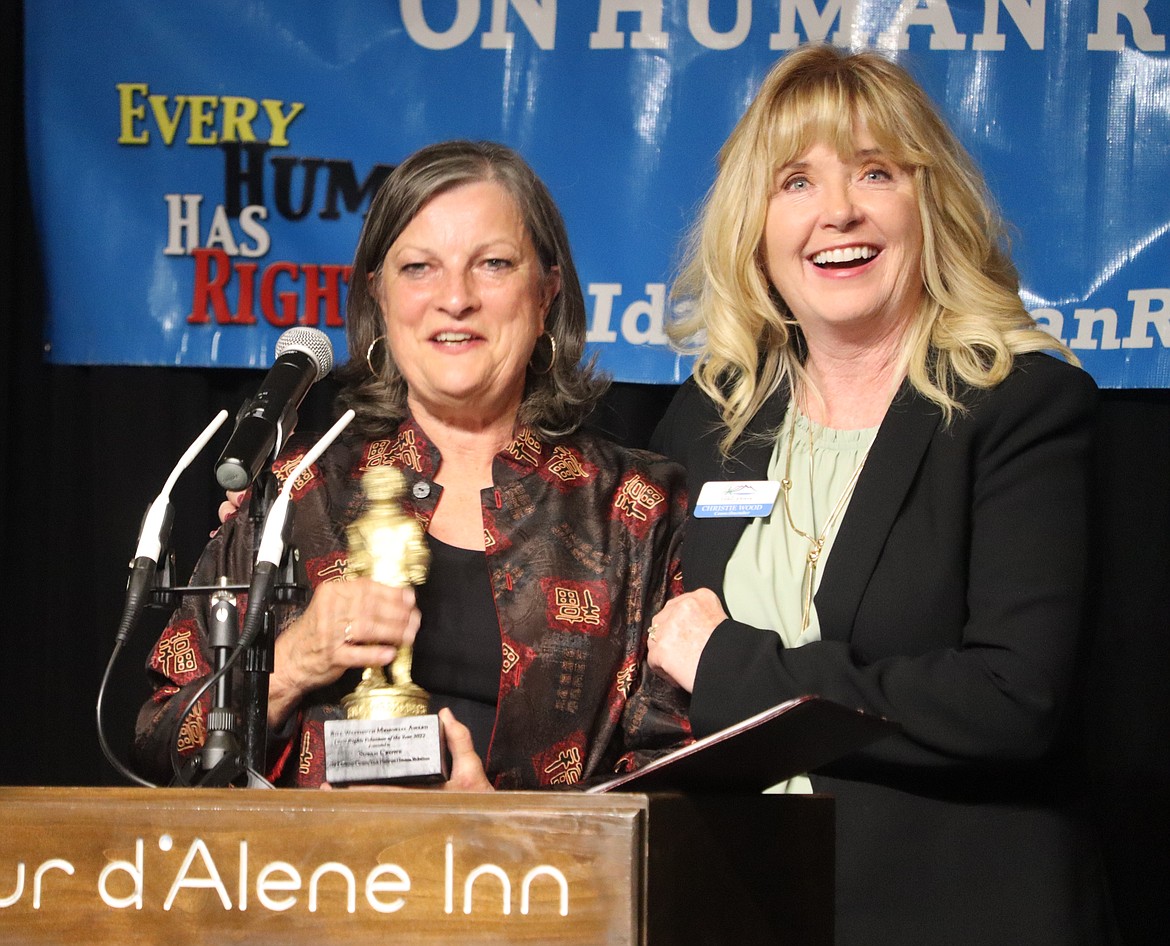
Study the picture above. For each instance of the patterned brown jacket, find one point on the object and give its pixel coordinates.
(582, 539)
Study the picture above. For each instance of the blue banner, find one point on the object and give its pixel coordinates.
(200, 170)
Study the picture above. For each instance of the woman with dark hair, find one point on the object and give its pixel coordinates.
(559, 391)
(861, 345)
(549, 546)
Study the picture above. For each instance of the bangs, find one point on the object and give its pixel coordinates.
(834, 109)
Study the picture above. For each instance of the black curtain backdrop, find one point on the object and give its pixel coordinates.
(84, 450)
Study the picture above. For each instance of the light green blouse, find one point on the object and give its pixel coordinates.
(767, 576)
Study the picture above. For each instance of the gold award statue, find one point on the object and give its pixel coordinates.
(387, 735)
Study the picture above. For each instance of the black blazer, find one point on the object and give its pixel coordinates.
(951, 603)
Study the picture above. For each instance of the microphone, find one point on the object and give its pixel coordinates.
(275, 536)
(154, 535)
(264, 423)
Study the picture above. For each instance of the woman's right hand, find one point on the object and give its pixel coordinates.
(679, 632)
(358, 623)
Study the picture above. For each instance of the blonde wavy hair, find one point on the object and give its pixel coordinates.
(971, 322)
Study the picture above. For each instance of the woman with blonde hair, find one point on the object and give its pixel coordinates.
(862, 349)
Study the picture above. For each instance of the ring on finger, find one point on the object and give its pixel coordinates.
(653, 630)
(347, 633)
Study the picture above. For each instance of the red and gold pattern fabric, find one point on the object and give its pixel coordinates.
(582, 540)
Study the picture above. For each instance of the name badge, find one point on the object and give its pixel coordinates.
(736, 498)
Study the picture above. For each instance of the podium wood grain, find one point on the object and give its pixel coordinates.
(286, 867)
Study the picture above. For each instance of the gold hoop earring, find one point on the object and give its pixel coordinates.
(370, 353)
(552, 358)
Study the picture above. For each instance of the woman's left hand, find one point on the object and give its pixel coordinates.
(467, 774)
(679, 632)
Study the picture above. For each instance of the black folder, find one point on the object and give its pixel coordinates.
(795, 737)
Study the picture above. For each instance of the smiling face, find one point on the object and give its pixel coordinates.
(843, 242)
(464, 299)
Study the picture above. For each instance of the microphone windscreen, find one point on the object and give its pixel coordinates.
(312, 342)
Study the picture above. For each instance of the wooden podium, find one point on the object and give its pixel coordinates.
(287, 867)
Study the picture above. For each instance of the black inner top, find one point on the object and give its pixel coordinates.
(458, 654)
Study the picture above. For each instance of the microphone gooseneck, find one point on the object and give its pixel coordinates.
(153, 537)
(155, 534)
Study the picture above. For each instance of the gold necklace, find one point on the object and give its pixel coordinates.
(816, 545)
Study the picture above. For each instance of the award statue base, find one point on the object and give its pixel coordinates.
(407, 750)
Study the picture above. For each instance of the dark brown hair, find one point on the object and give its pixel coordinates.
(555, 401)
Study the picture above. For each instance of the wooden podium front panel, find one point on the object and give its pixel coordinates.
(285, 867)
